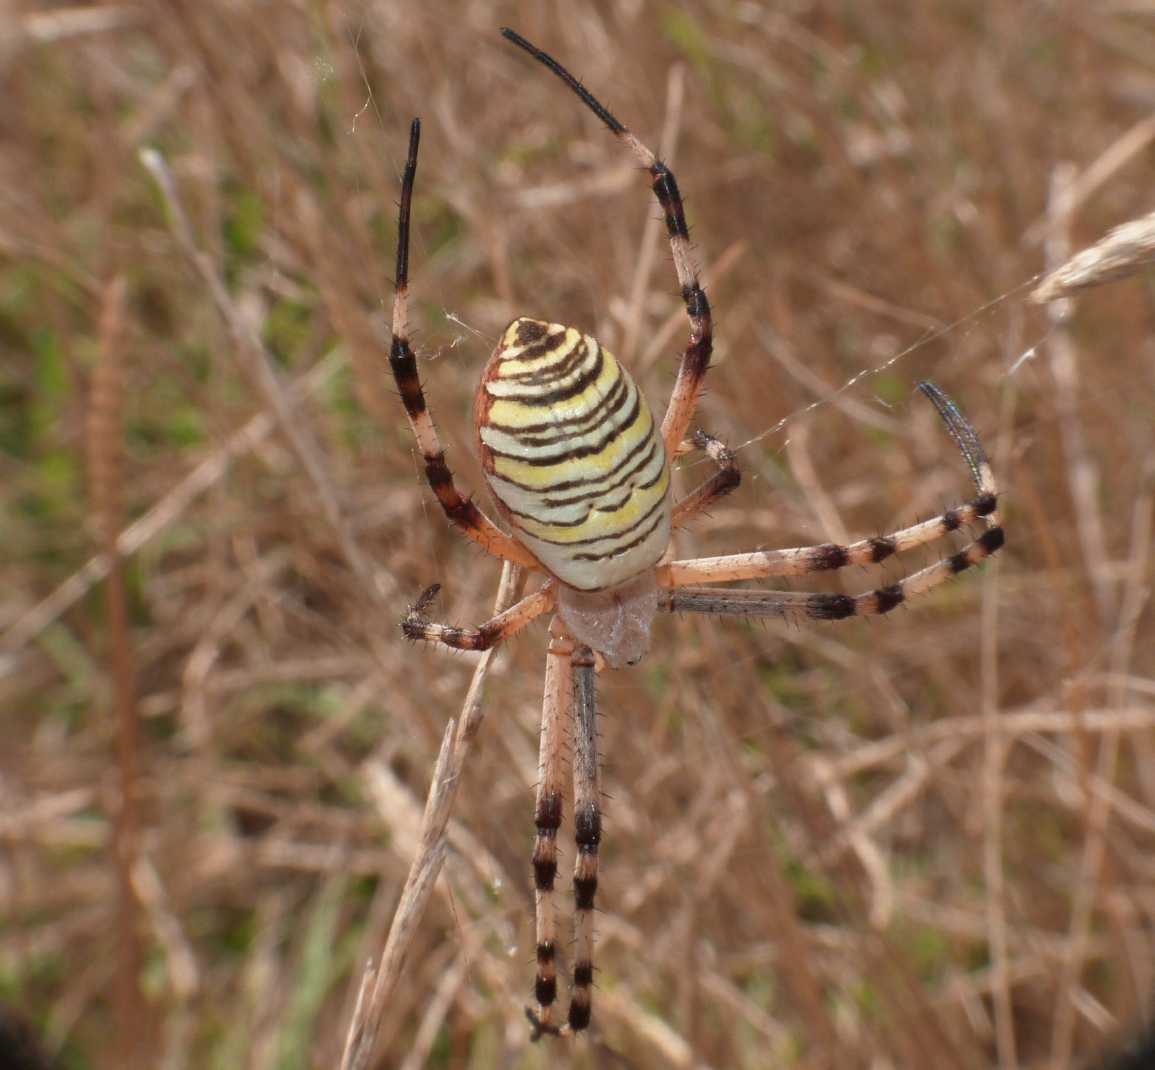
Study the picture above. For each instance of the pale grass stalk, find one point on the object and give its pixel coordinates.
(161, 516)
(1010, 726)
(802, 981)
(34, 812)
(891, 801)
(806, 473)
(995, 748)
(728, 994)
(1071, 786)
(47, 27)
(1087, 887)
(182, 972)
(436, 1010)
(1128, 146)
(604, 182)
(1121, 253)
(337, 283)
(380, 978)
(105, 455)
(1082, 474)
(215, 634)
(856, 297)
(666, 1042)
(257, 365)
(869, 855)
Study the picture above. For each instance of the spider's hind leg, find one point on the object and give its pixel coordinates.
(556, 715)
(587, 820)
(570, 697)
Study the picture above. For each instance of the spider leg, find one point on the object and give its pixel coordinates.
(798, 606)
(801, 560)
(587, 820)
(717, 486)
(824, 557)
(493, 631)
(556, 715)
(696, 357)
(461, 512)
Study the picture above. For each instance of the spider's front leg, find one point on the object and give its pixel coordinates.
(458, 508)
(495, 630)
(696, 356)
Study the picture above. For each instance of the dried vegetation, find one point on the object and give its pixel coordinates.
(922, 841)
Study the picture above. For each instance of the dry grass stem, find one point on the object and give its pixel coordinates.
(106, 478)
(167, 511)
(379, 981)
(995, 748)
(1091, 883)
(1126, 250)
(1082, 472)
(258, 366)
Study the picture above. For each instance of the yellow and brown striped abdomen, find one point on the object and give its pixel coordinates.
(573, 455)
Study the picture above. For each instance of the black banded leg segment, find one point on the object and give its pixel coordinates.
(495, 630)
(725, 480)
(829, 556)
(825, 557)
(587, 821)
(462, 513)
(795, 606)
(696, 358)
(556, 719)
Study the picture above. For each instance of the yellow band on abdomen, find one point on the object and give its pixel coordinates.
(573, 455)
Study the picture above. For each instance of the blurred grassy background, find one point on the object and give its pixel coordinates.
(817, 852)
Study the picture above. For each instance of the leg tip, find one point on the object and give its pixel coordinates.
(539, 1027)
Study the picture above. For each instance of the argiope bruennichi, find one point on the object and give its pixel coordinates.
(580, 471)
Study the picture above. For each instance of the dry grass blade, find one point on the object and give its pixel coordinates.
(166, 512)
(106, 478)
(50, 26)
(380, 979)
(258, 366)
(1125, 251)
(1094, 880)
(1067, 373)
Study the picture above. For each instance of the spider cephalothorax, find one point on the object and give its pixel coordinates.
(580, 472)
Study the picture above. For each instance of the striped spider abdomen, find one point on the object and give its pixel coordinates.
(573, 456)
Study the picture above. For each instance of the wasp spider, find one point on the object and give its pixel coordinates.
(580, 471)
